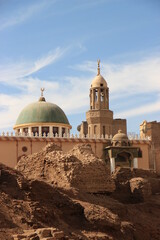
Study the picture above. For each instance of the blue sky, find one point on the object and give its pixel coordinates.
(56, 43)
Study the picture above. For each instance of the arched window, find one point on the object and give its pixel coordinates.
(63, 131)
(25, 130)
(96, 95)
(55, 131)
(104, 131)
(45, 130)
(95, 129)
(102, 95)
(35, 130)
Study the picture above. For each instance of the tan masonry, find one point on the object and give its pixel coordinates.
(12, 148)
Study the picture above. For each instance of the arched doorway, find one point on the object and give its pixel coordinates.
(124, 159)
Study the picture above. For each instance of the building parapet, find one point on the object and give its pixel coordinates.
(69, 136)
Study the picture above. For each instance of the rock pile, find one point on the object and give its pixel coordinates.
(79, 168)
(41, 234)
(135, 185)
(32, 209)
(27, 204)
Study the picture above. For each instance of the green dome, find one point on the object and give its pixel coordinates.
(42, 112)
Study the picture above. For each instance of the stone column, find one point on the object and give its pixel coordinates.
(93, 99)
(29, 131)
(105, 99)
(60, 131)
(91, 102)
(50, 131)
(16, 132)
(107, 96)
(21, 131)
(99, 99)
(67, 132)
(112, 164)
(135, 163)
(40, 131)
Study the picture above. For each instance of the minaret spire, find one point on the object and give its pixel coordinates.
(98, 69)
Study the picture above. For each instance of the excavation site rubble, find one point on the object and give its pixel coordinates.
(55, 195)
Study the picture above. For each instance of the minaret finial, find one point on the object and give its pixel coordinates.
(98, 69)
(42, 90)
(42, 99)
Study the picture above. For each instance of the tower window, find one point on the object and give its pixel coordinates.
(96, 95)
(104, 131)
(102, 96)
(95, 128)
(101, 84)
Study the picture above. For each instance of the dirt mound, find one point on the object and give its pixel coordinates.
(28, 204)
(135, 185)
(35, 210)
(79, 169)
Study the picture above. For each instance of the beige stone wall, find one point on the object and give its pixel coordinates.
(143, 162)
(99, 119)
(119, 124)
(8, 152)
(12, 148)
(152, 129)
(37, 146)
(103, 119)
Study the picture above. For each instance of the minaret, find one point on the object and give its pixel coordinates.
(99, 117)
(99, 92)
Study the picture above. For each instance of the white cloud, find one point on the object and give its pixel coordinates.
(145, 109)
(131, 78)
(16, 74)
(50, 58)
(139, 77)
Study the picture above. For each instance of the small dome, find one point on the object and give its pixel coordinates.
(99, 81)
(120, 139)
(41, 112)
(119, 136)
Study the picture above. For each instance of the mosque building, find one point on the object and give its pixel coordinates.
(43, 122)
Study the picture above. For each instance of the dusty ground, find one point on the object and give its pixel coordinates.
(128, 210)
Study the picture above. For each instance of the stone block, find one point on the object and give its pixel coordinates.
(58, 235)
(34, 238)
(140, 188)
(44, 232)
